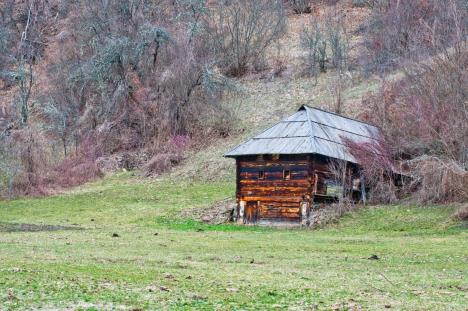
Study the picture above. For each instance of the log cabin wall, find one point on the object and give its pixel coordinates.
(321, 171)
(273, 187)
(277, 184)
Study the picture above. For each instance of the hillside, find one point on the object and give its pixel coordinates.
(92, 88)
(260, 98)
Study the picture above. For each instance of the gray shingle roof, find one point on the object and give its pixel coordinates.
(309, 130)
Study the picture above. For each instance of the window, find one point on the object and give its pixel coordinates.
(286, 174)
(261, 174)
(333, 188)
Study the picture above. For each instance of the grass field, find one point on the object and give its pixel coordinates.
(162, 261)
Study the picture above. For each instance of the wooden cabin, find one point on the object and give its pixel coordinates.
(286, 170)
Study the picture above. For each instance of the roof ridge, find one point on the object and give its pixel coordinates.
(337, 114)
(341, 130)
(311, 135)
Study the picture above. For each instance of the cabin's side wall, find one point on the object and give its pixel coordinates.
(328, 185)
(261, 181)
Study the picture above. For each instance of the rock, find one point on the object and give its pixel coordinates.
(323, 214)
(11, 294)
(167, 275)
(107, 164)
(63, 36)
(151, 288)
(206, 218)
(374, 257)
(199, 297)
(115, 235)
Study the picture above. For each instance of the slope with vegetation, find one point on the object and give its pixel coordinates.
(89, 87)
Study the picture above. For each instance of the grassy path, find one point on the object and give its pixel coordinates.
(161, 261)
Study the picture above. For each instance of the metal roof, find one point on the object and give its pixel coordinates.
(309, 130)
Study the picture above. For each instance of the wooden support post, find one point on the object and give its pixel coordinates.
(305, 213)
(240, 214)
(363, 189)
(343, 180)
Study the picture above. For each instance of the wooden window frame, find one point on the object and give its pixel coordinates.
(286, 174)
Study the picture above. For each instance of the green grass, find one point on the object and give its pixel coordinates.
(188, 265)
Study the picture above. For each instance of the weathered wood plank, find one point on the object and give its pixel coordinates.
(276, 183)
(273, 198)
(278, 168)
(287, 188)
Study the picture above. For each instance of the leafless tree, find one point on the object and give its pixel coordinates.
(337, 84)
(241, 32)
(313, 41)
(325, 41)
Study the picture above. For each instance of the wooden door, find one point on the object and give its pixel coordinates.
(251, 212)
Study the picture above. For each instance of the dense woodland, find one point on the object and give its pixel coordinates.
(84, 80)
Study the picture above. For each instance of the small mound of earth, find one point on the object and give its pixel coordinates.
(324, 214)
(21, 227)
(219, 213)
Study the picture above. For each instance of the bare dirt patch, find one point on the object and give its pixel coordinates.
(22, 227)
(218, 213)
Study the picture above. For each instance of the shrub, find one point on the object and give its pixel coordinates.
(377, 168)
(300, 6)
(437, 180)
(77, 168)
(425, 129)
(461, 213)
(366, 3)
(241, 32)
(402, 31)
(161, 163)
